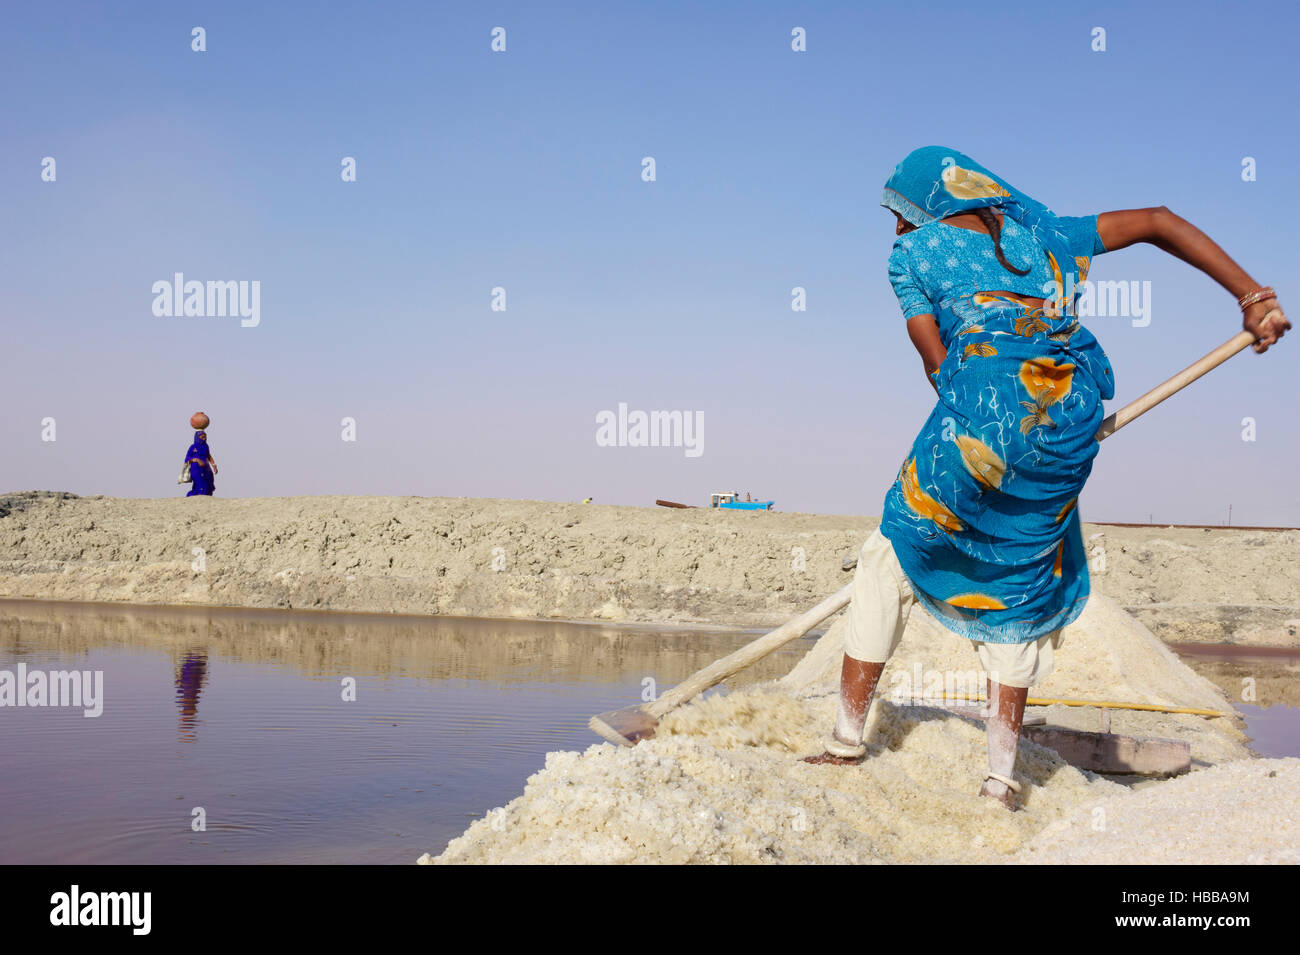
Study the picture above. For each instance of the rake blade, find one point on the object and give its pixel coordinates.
(626, 727)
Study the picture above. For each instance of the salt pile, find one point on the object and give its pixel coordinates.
(1244, 812)
(722, 781)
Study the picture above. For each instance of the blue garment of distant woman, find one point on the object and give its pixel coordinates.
(200, 468)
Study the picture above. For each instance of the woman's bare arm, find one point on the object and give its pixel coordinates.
(924, 332)
(1175, 235)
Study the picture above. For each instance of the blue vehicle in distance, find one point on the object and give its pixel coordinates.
(731, 501)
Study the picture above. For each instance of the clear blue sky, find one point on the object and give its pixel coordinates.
(523, 170)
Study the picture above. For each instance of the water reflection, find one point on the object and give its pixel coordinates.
(431, 647)
(450, 718)
(1263, 683)
(191, 675)
(1259, 676)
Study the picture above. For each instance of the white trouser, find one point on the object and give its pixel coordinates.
(883, 600)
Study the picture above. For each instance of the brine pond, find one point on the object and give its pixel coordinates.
(296, 737)
(247, 736)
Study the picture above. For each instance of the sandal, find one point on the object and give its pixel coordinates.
(844, 750)
(1005, 780)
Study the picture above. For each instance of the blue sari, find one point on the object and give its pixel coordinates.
(983, 516)
(200, 474)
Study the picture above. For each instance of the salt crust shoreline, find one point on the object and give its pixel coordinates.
(533, 559)
(722, 781)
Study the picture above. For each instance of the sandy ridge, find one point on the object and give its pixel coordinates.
(485, 557)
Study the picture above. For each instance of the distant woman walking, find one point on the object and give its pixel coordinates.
(202, 465)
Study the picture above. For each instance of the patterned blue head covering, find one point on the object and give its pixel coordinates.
(935, 182)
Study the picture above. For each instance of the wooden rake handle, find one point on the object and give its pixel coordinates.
(1177, 383)
(750, 653)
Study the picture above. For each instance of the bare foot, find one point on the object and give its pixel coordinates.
(999, 791)
(830, 759)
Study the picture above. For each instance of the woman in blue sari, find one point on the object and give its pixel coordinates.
(203, 467)
(982, 526)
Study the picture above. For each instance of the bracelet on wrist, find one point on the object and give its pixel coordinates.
(1259, 295)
